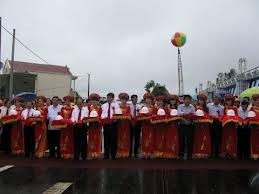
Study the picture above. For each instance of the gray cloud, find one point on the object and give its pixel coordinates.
(123, 44)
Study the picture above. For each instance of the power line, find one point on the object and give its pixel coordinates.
(25, 46)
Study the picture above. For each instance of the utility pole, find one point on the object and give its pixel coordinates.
(74, 91)
(88, 92)
(0, 41)
(11, 70)
(1, 64)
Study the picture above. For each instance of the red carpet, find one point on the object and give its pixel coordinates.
(131, 163)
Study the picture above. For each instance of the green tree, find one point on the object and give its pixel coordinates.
(227, 75)
(156, 89)
(232, 73)
(149, 85)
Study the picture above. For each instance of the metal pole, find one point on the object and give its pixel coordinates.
(0, 48)
(74, 91)
(0, 40)
(88, 92)
(11, 71)
(180, 74)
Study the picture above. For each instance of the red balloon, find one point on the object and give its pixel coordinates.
(177, 34)
(174, 42)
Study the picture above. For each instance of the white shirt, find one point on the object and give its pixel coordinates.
(248, 108)
(215, 110)
(3, 111)
(52, 114)
(25, 114)
(183, 109)
(105, 108)
(75, 113)
(13, 107)
(241, 113)
(132, 107)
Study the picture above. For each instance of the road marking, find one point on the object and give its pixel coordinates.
(58, 188)
(6, 167)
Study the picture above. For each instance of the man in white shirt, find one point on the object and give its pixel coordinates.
(186, 127)
(246, 98)
(243, 133)
(80, 130)
(1, 104)
(243, 109)
(135, 127)
(29, 137)
(110, 128)
(6, 133)
(53, 133)
(1, 129)
(215, 110)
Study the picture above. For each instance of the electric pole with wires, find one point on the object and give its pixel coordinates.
(11, 69)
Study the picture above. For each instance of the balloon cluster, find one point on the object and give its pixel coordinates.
(179, 39)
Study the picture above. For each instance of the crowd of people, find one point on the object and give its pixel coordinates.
(159, 127)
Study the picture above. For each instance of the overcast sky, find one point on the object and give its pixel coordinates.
(125, 43)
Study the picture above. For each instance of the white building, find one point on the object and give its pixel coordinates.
(51, 80)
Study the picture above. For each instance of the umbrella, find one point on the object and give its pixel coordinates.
(250, 92)
(27, 96)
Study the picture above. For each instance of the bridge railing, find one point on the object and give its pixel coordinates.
(247, 75)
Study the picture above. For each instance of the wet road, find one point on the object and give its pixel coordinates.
(131, 176)
(127, 181)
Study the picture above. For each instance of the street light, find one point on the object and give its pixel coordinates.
(88, 82)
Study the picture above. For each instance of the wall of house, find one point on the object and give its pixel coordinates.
(50, 84)
(23, 83)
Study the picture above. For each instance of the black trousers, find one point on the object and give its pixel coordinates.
(243, 142)
(216, 138)
(6, 138)
(186, 136)
(29, 140)
(80, 142)
(110, 131)
(53, 142)
(135, 138)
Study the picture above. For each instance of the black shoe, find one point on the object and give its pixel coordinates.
(181, 157)
(189, 157)
(113, 157)
(106, 157)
